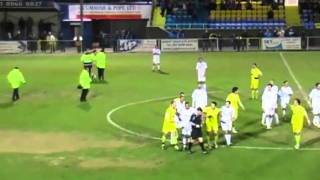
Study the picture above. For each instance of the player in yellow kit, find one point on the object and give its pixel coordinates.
(211, 121)
(235, 101)
(169, 127)
(255, 75)
(299, 114)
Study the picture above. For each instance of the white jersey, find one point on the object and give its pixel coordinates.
(269, 99)
(275, 90)
(269, 102)
(227, 114)
(199, 98)
(185, 121)
(180, 106)
(315, 100)
(201, 68)
(285, 94)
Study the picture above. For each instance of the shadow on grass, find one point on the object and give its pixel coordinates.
(312, 141)
(163, 72)
(100, 82)
(85, 106)
(6, 105)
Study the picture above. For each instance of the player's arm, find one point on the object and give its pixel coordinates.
(241, 105)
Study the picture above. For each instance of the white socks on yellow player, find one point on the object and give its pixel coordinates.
(228, 139)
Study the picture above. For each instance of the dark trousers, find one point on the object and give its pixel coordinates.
(101, 74)
(15, 94)
(84, 94)
(88, 67)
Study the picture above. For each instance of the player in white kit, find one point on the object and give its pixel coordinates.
(199, 97)
(180, 107)
(268, 105)
(285, 93)
(315, 104)
(156, 58)
(275, 90)
(226, 119)
(201, 68)
(186, 124)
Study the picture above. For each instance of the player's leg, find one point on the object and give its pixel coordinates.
(190, 144)
(263, 118)
(276, 117)
(215, 138)
(226, 128)
(200, 140)
(269, 119)
(233, 129)
(163, 140)
(174, 139)
(297, 137)
(208, 134)
(316, 116)
(297, 128)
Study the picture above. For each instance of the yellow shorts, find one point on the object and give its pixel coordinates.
(254, 84)
(169, 127)
(212, 126)
(297, 128)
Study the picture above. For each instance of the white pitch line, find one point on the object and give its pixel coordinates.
(285, 62)
(114, 124)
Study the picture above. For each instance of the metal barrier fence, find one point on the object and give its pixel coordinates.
(173, 45)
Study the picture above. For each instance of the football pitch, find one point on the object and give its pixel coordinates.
(49, 134)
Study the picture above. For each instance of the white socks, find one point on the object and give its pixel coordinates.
(268, 122)
(228, 139)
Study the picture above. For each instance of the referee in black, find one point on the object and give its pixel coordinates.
(196, 133)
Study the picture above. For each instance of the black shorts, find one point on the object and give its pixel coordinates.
(196, 133)
(87, 65)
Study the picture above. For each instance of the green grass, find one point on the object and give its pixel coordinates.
(50, 103)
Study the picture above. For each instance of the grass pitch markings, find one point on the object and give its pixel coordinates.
(286, 64)
(138, 134)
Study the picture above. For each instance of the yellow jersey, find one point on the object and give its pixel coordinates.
(298, 114)
(211, 113)
(255, 73)
(234, 100)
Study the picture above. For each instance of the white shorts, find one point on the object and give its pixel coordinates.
(269, 111)
(316, 109)
(156, 60)
(201, 78)
(226, 126)
(284, 103)
(178, 122)
(186, 131)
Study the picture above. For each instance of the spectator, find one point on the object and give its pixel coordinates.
(51, 39)
(291, 33)
(267, 33)
(249, 5)
(270, 14)
(238, 6)
(78, 42)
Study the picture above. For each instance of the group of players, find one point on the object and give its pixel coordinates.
(89, 58)
(185, 121)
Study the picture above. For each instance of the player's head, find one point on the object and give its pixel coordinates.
(213, 104)
(199, 111)
(285, 83)
(187, 105)
(235, 90)
(102, 49)
(269, 87)
(200, 59)
(156, 46)
(318, 85)
(254, 65)
(297, 101)
(181, 96)
(228, 103)
(172, 104)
